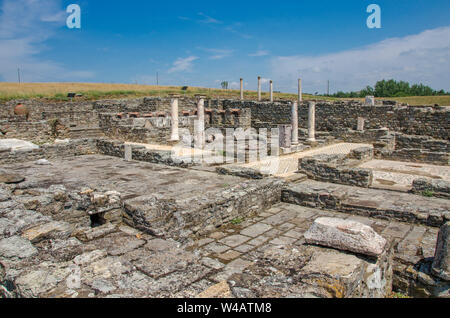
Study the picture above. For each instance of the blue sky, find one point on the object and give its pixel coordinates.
(201, 43)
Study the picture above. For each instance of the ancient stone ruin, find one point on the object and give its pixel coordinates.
(197, 197)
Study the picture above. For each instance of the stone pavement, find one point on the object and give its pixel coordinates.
(234, 248)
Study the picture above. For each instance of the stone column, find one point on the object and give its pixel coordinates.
(175, 132)
(201, 122)
(271, 91)
(242, 89)
(128, 153)
(312, 122)
(285, 136)
(294, 123)
(259, 88)
(300, 91)
(361, 122)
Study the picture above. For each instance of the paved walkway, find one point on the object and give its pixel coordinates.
(229, 250)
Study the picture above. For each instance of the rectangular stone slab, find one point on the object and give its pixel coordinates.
(346, 236)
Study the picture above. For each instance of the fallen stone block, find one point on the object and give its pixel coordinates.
(221, 290)
(11, 178)
(94, 233)
(54, 229)
(441, 263)
(43, 162)
(346, 236)
(16, 247)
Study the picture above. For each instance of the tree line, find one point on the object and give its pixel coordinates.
(392, 88)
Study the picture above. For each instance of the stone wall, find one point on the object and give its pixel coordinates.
(435, 188)
(116, 148)
(73, 148)
(39, 106)
(179, 219)
(339, 169)
(39, 132)
(337, 116)
(420, 149)
(341, 116)
(157, 129)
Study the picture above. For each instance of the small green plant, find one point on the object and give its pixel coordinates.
(399, 295)
(428, 193)
(237, 221)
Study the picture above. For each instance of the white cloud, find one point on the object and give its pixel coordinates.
(183, 64)
(217, 54)
(25, 26)
(259, 53)
(421, 58)
(265, 81)
(208, 20)
(235, 85)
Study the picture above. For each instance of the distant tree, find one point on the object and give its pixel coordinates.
(224, 85)
(392, 88)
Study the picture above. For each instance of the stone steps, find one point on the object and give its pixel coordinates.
(380, 204)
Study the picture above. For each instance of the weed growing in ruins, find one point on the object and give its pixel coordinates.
(399, 295)
(237, 221)
(428, 193)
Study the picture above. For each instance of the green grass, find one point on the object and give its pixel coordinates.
(399, 295)
(428, 193)
(237, 221)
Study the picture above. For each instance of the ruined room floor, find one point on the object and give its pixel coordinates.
(400, 175)
(131, 179)
(234, 248)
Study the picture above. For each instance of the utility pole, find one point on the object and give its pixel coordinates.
(18, 74)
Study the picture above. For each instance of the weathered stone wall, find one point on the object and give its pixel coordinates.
(341, 116)
(337, 116)
(158, 129)
(420, 149)
(38, 132)
(339, 168)
(181, 218)
(116, 148)
(426, 121)
(38, 106)
(73, 118)
(436, 188)
(73, 148)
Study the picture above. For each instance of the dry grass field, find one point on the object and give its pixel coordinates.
(92, 91)
(58, 91)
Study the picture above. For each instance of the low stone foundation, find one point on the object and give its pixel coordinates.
(435, 188)
(66, 149)
(339, 169)
(181, 218)
(116, 148)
